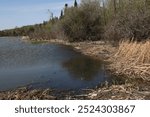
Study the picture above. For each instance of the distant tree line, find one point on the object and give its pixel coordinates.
(94, 20)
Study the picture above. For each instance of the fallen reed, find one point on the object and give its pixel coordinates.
(132, 59)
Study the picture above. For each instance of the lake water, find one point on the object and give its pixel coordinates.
(47, 66)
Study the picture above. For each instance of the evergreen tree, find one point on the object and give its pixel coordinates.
(66, 6)
(75, 3)
(61, 14)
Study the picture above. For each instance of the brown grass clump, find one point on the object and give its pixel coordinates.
(133, 59)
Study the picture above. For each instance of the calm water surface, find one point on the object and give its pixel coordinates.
(47, 66)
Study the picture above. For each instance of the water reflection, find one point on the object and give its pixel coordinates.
(46, 65)
(83, 68)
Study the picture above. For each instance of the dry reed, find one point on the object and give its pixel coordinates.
(132, 59)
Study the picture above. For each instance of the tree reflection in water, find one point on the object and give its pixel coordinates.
(83, 68)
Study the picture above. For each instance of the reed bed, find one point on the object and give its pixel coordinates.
(132, 59)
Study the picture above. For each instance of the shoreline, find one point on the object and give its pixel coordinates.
(114, 92)
(94, 49)
(97, 50)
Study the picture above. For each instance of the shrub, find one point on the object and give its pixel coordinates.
(132, 22)
(83, 23)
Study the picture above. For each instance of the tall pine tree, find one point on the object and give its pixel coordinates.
(66, 6)
(75, 3)
(61, 14)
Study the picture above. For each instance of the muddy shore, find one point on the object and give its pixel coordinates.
(98, 50)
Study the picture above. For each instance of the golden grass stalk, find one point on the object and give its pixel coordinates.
(132, 59)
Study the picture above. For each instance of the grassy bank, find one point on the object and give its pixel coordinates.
(129, 58)
(132, 59)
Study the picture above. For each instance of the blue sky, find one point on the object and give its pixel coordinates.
(25, 12)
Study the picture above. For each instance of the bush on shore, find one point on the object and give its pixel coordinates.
(130, 25)
(130, 21)
(83, 22)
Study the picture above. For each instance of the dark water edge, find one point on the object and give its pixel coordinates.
(43, 65)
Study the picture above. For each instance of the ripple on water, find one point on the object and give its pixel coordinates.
(47, 66)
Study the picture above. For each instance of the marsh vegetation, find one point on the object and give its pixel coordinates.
(116, 31)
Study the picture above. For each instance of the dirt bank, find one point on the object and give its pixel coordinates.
(114, 92)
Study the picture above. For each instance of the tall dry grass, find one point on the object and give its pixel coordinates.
(133, 59)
